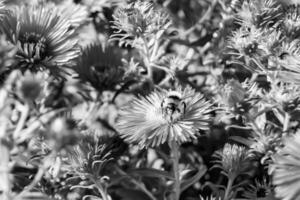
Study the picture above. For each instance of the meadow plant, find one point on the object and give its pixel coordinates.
(149, 100)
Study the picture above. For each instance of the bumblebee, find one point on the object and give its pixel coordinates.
(173, 106)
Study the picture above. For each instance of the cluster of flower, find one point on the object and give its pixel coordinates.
(163, 99)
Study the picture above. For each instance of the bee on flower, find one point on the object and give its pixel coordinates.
(164, 116)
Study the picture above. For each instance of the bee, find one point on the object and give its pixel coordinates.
(173, 106)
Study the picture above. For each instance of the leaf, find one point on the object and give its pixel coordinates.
(191, 181)
(150, 173)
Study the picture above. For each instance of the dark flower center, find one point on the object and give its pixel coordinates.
(261, 192)
(251, 49)
(35, 44)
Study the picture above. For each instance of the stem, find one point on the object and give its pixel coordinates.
(38, 176)
(147, 59)
(138, 184)
(228, 189)
(22, 120)
(100, 189)
(5, 185)
(175, 158)
(286, 123)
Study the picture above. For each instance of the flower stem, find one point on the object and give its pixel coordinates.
(5, 185)
(228, 189)
(21, 123)
(286, 123)
(175, 159)
(147, 59)
(100, 188)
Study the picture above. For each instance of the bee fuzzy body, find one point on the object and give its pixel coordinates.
(173, 106)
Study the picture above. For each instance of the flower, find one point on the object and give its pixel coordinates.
(283, 96)
(246, 40)
(233, 160)
(289, 60)
(261, 13)
(139, 19)
(92, 153)
(265, 144)
(259, 190)
(101, 67)
(291, 22)
(286, 169)
(76, 14)
(164, 116)
(233, 93)
(30, 86)
(42, 38)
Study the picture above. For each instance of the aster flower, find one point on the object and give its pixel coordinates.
(233, 160)
(30, 86)
(41, 37)
(285, 97)
(233, 93)
(258, 190)
(291, 22)
(265, 144)
(139, 20)
(89, 159)
(245, 44)
(260, 13)
(286, 169)
(89, 156)
(76, 14)
(101, 67)
(289, 60)
(164, 116)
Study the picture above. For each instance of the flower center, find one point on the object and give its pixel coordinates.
(34, 45)
(251, 49)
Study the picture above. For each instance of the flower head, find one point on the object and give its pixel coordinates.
(286, 169)
(76, 14)
(289, 60)
(30, 86)
(266, 144)
(164, 116)
(291, 21)
(42, 38)
(233, 160)
(139, 19)
(101, 67)
(233, 93)
(246, 41)
(260, 13)
(259, 189)
(284, 96)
